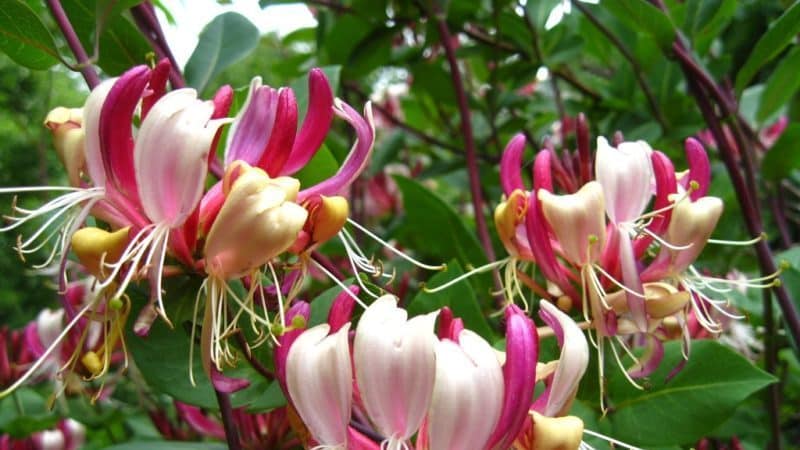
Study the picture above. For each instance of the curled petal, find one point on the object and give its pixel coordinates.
(299, 312)
(157, 86)
(625, 173)
(91, 124)
(510, 164)
(199, 421)
(649, 362)
(519, 375)
(542, 172)
(389, 347)
(315, 125)
(253, 126)
(171, 182)
(578, 221)
(116, 134)
(542, 248)
(449, 326)
(358, 157)
(467, 394)
(342, 309)
(699, 168)
(283, 133)
(319, 379)
(571, 363)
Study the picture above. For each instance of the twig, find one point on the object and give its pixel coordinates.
(637, 69)
(145, 17)
(226, 411)
(771, 365)
(248, 355)
(469, 140)
(86, 69)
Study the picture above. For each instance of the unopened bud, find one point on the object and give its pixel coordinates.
(258, 221)
(95, 246)
(327, 216)
(68, 140)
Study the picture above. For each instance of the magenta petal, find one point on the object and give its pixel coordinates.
(298, 309)
(519, 373)
(542, 248)
(315, 125)
(157, 86)
(510, 164)
(223, 99)
(699, 167)
(251, 131)
(356, 160)
(225, 384)
(664, 174)
(449, 326)
(283, 134)
(198, 421)
(116, 135)
(542, 173)
(342, 309)
(650, 360)
(357, 441)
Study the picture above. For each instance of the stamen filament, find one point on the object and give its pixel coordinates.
(394, 250)
(477, 270)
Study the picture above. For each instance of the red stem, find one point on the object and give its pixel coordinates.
(85, 65)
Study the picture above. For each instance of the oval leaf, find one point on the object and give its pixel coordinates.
(781, 87)
(225, 40)
(783, 157)
(24, 38)
(644, 17)
(779, 35)
(690, 405)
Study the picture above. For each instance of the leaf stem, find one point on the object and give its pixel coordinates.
(144, 15)
(84, 63)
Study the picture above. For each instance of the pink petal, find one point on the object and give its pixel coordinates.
(699, 168)
(252, 128)
(510, 164)
(198, 421)
(356, 160)
(315, 125)
(115, 129)
(342, 309)
(631, 280)
(283, 133)
(285, 341)
(157, 86)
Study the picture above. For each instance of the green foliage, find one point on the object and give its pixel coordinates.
(224, 41)
(24, 38)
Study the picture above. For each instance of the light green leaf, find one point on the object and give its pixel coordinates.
(24, 38)
(781, 86)
(690, 405)
(224, 41)
(779, 35)
(784, 156)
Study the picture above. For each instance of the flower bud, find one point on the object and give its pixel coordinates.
(326, 217)
(68, 138)
(258, 221)
(507, 217)
(578, 221)
(556, 433)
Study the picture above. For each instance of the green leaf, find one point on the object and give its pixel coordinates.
(781, 86)
(784, 156)
(779, 35)
(709, 19)
(460, 297)
(321, 167)
(640, 15)
(24, 38)
(121, 45)
(163, 355)
(690, 405)
(224, 41)
(432, 226)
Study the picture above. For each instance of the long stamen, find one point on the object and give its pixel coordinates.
(56, 343)
(354, 265)
(281, 313)
(617, 283)
(482, 269)
(663, 242)
(622, 367)
(394, 250)
(339, 283)
(755, 240)
(609, 439)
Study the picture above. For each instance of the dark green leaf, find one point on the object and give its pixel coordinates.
(779, 35)
(642, 16)
(784, 156)
(121, 45)
(781, 86)
(540, 10)
(321, 167)
(432, 226)
(225, 40)
(24, 38)
(460, 297)
(690, 405)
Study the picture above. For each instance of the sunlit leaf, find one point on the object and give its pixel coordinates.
(24, 38)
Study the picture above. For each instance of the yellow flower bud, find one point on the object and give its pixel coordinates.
(556, 433)
(258, 221)
(327, 217)
(68, 140)
(507, 216)
(94, 246)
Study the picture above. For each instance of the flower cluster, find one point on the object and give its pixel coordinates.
(601, 250)
(139, 160)
(395, 378)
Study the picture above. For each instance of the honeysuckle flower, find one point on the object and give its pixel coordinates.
(258, 221)
(467, 394)
(389, 347)
(68, 140)
(319, 380)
